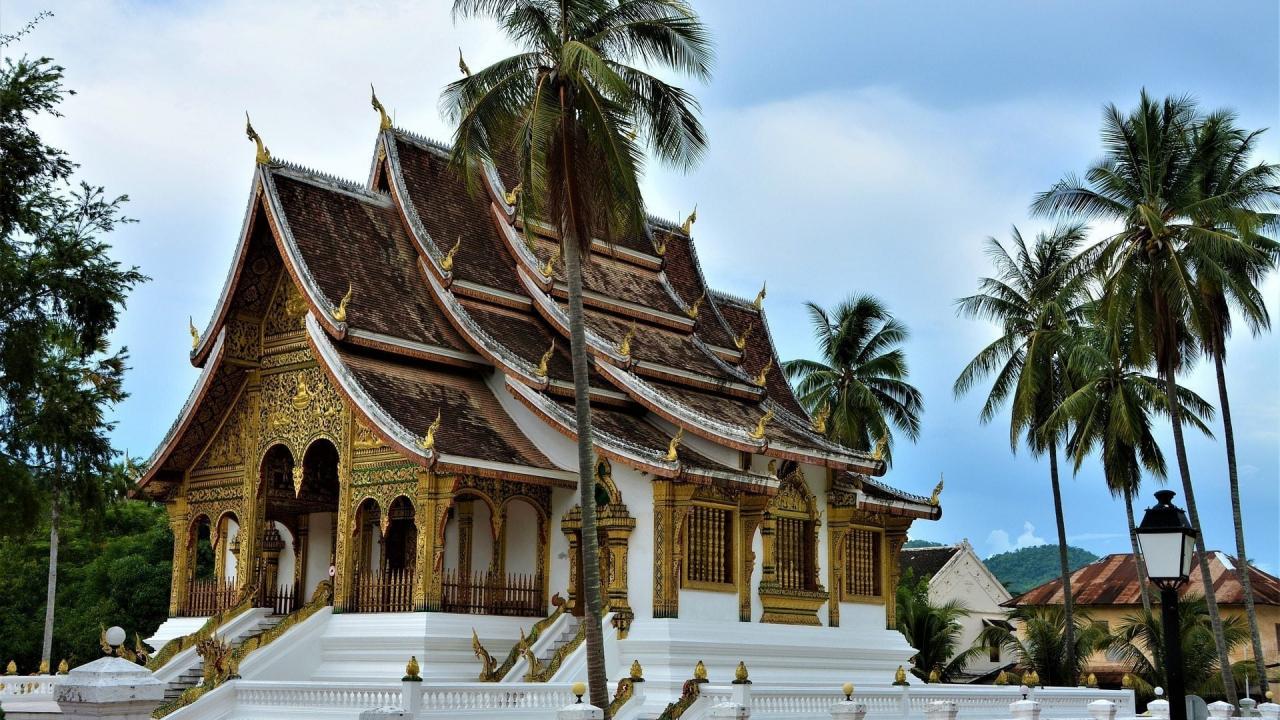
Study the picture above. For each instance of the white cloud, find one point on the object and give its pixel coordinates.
(998, 540)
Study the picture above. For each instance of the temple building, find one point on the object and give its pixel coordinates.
(385, 413)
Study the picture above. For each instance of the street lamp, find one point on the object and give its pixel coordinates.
(1166, 541)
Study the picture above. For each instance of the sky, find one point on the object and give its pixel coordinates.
(856, 147)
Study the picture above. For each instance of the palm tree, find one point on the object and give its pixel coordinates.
(1138, 642)
(861, 380)
(1035, 297)
(1110, 411)
(1227, 150)
(577, 114)
(1149, 183)
(933, 630)
(1057, 649)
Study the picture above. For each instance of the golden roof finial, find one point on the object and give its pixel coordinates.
(881, 444)
(384, 121)
(549, 267)
(763, 375)
(428, 441)
(446, 262)
(692, 312)
(741, 341)
(820, 419)
(624, 347)
(660, 246)
(700, 672)
(412, 671)
(340, 312)
(1002, 678)
(264, 155)
(740, 673)
(512, 196)
(546, 360)
(1032, 678)
(758, 432)
(758, 303)
(687, 225)
(637, 672)
(900, 676)
(195, 334)
(937, 491)
(462, 64)
(1126, 682)
(672, 446)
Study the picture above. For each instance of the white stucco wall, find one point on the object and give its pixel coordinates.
(284, 575)
(966, 579)
(229, 558)
(521, 529)
(319, 548)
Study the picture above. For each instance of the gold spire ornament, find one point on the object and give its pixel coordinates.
(264, 155)
(12, 667)
(700, 672)
(758, 303)
(462, 64)
(740, 676)
(1126, 682)
(937, 492)
(512, 196)
(637, 672)
(1091, 681)
(44, 668)
(900, 676)
(545, 360)
(340, 312)
(624, 347)
(763, 375)
(660, 246)
(195, 334)
(549, 267)
(935, 676)
(412, 671)
(428, 441)
(63, 667)
(687, 225)
(740, 341)
(820, 419)
(881, 444)
(692, 311)
(674, 445)
(758, 432)
(446, 262)
(384, 121)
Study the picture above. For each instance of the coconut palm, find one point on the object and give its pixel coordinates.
(1226, 150)
(1138, 642)
(1110, 411)
(1042, 641)
(1149, 182)
(576, 114)
(934, 630)
(861, 380)
(1035, 298)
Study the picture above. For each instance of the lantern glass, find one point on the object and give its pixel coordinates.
(1166, 541)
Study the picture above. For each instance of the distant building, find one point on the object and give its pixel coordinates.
(956, 572)
(1109, 590)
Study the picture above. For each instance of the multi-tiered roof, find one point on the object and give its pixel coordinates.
(425, 300)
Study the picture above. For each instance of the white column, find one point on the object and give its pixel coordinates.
(1221, 710)
(579, 711)
(1102, 710)
(1269, 711)
(1025, 710)
(1159, 709)
(109, 687)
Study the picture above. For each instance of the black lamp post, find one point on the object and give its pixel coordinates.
(1166, 541)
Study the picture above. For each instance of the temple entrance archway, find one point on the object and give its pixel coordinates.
(300, 513)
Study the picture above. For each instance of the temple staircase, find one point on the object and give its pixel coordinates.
(193, 673)
(568, 635)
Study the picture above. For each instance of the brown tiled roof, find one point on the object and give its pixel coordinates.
(926, 562)
(617, 279)
(472, 422)
(1113, 580)
(680, 266)
(654, 344)
(759, 351)
(359, 243)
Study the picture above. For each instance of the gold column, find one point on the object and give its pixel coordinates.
(435, 493)
(252, 502)
(751, 514)
(671, 503)
(617, 525)
(895, 537)
(344, 539)
(838, 529)
(179, 520)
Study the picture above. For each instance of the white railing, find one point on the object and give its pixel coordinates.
(311, 695)
(26, 687)
(253, 698)
(533, 699)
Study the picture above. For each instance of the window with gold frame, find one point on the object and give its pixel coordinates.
(863, 565)
(710, 547)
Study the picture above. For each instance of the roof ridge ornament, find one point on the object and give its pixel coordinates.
(548, 268)
(758, 432)
(763, 375)
(741, 341)
(384, 121)
(624, 347)
(545, 360)
(820, 418)
(340, 312)
(659, 246)
(881, 444)
(264, 155)
(687, 225)
(692, 310)
(512, 196)
(195, 334)
(674, 445)
(758, 303)
(446, 262)
(462, 64)
(428, 441)
(937, 492)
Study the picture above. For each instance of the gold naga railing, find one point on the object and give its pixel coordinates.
(244, 602)
(688, 696)
(385, 591)
(222, 662)
(539, 672)
(517, 650)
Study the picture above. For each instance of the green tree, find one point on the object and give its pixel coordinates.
(1041, 638)
(861, 381)
(60, 296)
(1227, 150)
(1149, 181)
(577, 113)
(1110, 410)
(1036, 299)
(1138, 642)
(934, 630)
(1025, 568)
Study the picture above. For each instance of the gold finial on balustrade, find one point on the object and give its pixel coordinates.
(63, 667)
(700, 672)
(44, 667)
(637, 672)
(740, 674)
(1091, 681)
(847, 689)
(11, 668)
(900, 676)
(579, 689)
(412, 671)
(935, 676)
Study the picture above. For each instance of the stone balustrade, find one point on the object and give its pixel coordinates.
(27, 687)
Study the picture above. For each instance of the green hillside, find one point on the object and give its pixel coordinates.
(921, 543)
(1021, 570)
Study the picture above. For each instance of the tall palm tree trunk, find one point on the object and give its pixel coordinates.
(1143, 584)
(1068, 602)
(55, 512)
(1242, 559)
(1189, 498)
